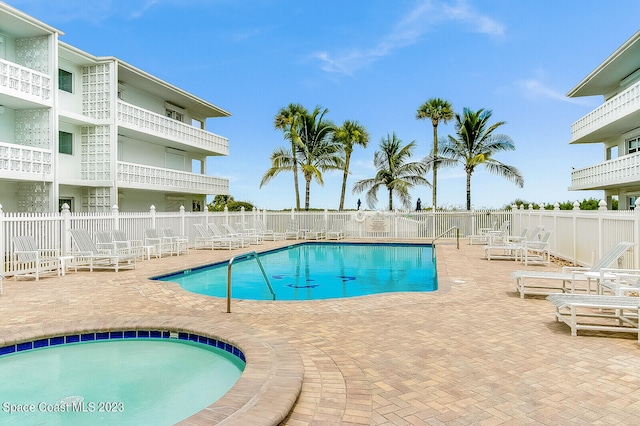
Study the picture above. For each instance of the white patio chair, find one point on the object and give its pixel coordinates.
(30, 261)
(209, 240)
(268, 234)
(246, 237)
(548, 282)
(292, 231)
(337, 230)
(90, 256)
(162, 245)
(604, 312)
(180, 243)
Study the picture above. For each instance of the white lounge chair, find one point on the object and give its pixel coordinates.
(537, 251)
(207, 239)
(162, 245)
(482, 237)
(179, 243)
(235, 237)
(120, 238)
(90, 256)
(318, 232)
(292, 231)
(512, 247)
(30, 261)
(337, 230)
(548, 282)
(604, 313)
(499, 235)
(619, 282)
(251, 238)
(105, 241)
(268, 234)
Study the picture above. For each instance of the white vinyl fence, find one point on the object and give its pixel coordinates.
(578, 236)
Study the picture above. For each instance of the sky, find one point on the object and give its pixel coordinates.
(376, 62)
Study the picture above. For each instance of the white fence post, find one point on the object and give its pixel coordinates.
(574, 233)
(636, 234)
(114, 213)
(182, 220)
(65, 239)
(152, 213)
(2, 240)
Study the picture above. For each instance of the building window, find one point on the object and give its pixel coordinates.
(178, 116)
(633, 145)
(65, 143)
(65, 81)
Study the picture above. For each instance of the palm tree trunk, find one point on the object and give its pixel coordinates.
(468, 190)
(344, 180)
(435, 165)
(295, 175)
(307, 193)
(390, 200)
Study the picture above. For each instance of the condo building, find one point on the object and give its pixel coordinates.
(615, 124)
(94, 132)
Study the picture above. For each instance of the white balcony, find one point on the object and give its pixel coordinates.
(614, 173)
(18, 162)
(616, 116)
(25, 85)
(131, 175)
(150, 123)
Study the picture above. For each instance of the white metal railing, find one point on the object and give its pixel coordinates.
(25, 159)
(620, 105)
(615, 171)
(132, 175)
(579, 237)
(24, 82)
(143, 120)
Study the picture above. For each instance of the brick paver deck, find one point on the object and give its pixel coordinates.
(471, 353)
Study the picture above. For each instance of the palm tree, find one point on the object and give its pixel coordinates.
(475, 144)
(438, 110)
(317, 151)
(393, 172)
(287, 120)
(282, 160)
(349, 134)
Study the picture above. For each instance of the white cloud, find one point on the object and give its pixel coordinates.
(535, 89)
(409, 31)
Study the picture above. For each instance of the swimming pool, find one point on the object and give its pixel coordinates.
(126, 377)
(312, 271)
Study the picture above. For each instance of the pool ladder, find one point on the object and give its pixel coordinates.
(264, 274)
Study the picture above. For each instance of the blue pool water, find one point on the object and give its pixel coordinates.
(312, 271)
(116, 381)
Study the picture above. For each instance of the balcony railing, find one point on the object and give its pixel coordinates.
(25, 83)
(620, 170)
(143, 120)
(131, 175)
(615, 108)
(25, 160)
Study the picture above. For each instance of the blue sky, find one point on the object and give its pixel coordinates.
(374, 61)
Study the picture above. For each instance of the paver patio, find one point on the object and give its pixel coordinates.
(471, 353)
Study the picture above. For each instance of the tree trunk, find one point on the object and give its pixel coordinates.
(435, 165)
(468, 190)
(390, 200)
(295, 175)
(307, 192)
(344, 180)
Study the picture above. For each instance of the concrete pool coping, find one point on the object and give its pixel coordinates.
(472, 352)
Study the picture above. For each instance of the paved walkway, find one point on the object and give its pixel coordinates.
(471, 353)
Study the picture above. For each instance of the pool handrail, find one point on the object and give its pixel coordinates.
(433, 242)
(264, 274)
